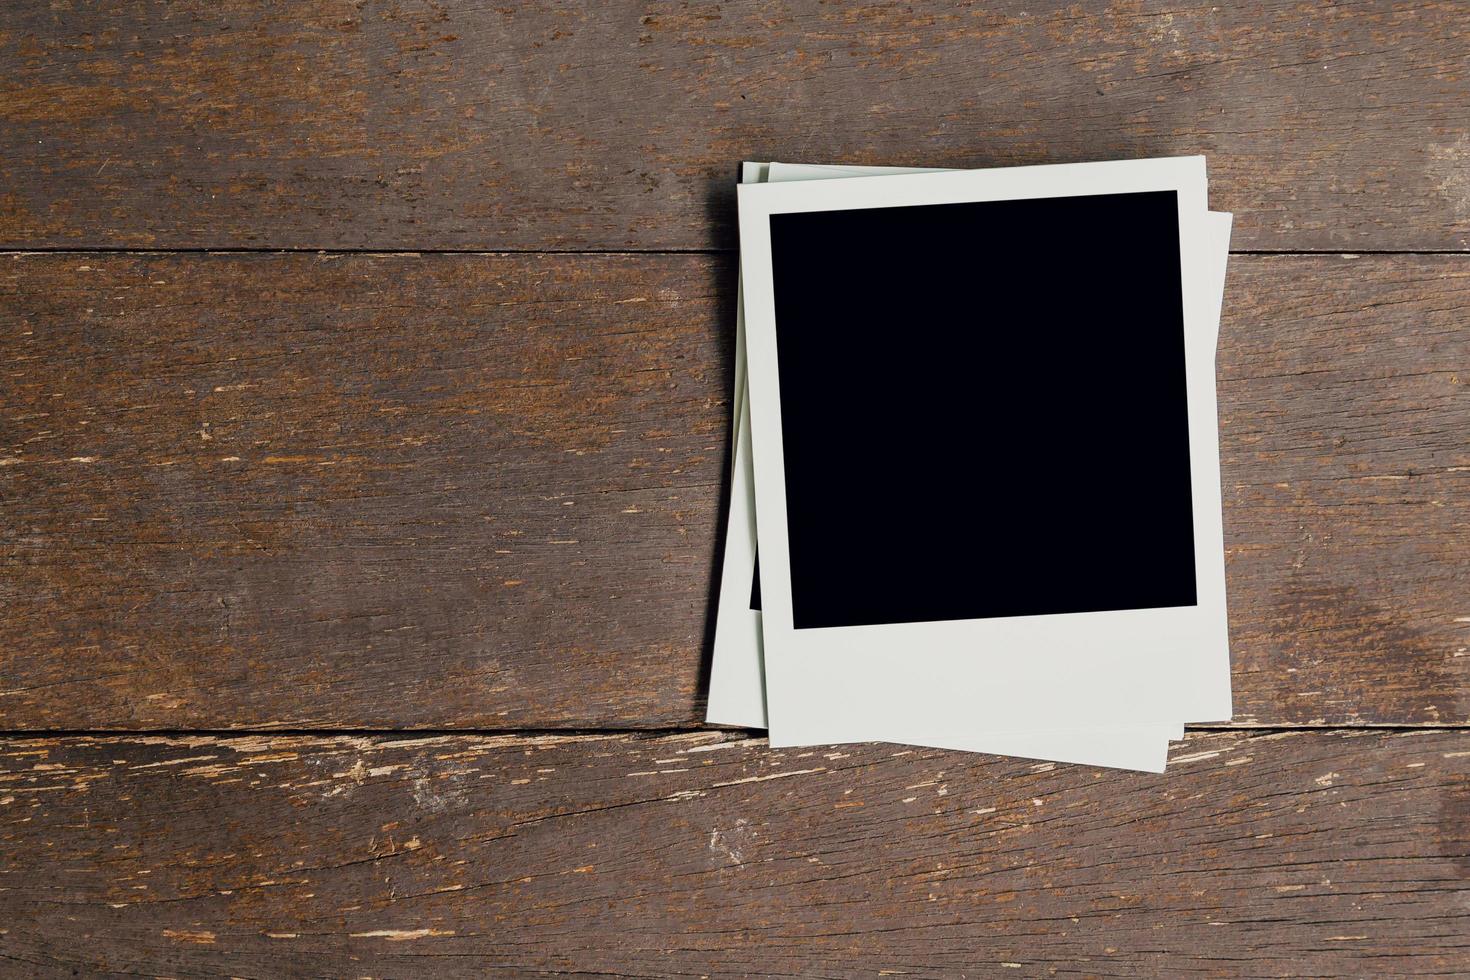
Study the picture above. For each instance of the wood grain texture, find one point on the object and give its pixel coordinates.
(419, 124)
(706, 854)
(484, 490)
(388, 490)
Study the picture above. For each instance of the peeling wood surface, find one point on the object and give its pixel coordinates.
(458, 491)
(483, 491)
(706, 854)
(419, 124)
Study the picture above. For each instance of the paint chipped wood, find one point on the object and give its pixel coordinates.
(1305, 853)
(398, 490)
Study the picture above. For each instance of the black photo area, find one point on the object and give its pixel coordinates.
(983, 409)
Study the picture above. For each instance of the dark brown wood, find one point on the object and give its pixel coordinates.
(484, 490)
(360, 490)
(590, 125)
(705, 854)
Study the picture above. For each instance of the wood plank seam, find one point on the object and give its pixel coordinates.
(12, 734)
(16, 250)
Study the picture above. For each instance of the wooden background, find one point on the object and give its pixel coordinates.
(363, 426)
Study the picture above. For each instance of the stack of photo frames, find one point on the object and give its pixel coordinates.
(976, 492)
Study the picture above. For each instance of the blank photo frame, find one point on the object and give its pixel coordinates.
(736, 690)
(1151, 648)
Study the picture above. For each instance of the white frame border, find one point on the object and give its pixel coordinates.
(1151, 665)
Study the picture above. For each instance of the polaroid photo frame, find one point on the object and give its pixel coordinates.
(1151, 664)
(736, 690)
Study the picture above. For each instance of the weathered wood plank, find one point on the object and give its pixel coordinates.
(705, 854)
(426, 491)
(572, 125)
(483, 490)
